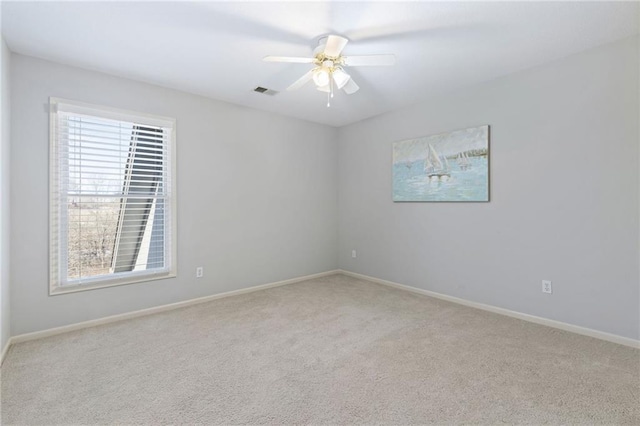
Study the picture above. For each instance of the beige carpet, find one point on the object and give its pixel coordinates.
(334, 350)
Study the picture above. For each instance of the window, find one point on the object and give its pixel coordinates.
(112, 197)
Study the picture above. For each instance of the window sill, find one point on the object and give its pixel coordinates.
(57, 290)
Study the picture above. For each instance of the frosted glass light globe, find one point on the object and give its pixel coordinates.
(321, 77)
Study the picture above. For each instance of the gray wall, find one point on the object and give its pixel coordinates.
(5, 106)
(257, 195)
(564, 195)
(257, 199)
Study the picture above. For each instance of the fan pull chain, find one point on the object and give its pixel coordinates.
(330, 94)
(331, 84)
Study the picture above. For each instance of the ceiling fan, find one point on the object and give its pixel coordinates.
(328, 72)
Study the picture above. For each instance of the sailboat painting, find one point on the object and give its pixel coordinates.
(450, 166)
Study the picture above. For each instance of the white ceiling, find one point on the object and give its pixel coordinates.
(216, 49)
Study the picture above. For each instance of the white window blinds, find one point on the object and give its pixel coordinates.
(112, 197)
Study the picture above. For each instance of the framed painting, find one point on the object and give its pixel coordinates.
(449, 167)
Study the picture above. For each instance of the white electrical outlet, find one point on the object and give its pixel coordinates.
(354, 254)
(199, 272)
(546, 287)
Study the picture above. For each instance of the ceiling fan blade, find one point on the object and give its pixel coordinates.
(369, 60)
(298, 60)
(334, 46)
(301, 81)
(351, 87)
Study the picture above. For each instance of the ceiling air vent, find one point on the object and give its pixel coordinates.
(265, 91)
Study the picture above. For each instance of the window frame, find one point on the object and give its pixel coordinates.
(58, 223)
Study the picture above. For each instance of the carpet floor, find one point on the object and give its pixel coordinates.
(333, 350)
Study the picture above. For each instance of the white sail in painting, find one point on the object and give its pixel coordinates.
(463, 161)
(434, 166)
(428, 167)
(435, 158)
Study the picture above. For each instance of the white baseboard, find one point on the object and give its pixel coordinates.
(156, 309)
(526, 317)
(5, 350)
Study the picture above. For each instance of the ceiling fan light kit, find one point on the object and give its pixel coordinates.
(321, 76)
(340, 77)
(328, 71)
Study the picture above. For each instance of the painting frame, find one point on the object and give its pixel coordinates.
(448, 167)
